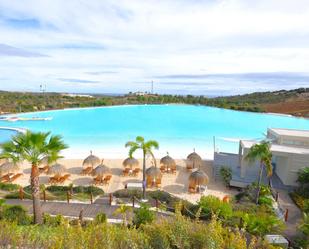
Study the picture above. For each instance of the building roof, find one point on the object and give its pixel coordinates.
(277, 147)
(290, 132)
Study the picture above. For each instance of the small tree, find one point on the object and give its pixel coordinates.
(123, 210)
(100, 218)
(146, 147)
(33, 147)
(226, 174)
(143, 215)
(262, 153)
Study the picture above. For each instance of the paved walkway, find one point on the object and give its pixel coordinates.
(73, 209)
(294, 214)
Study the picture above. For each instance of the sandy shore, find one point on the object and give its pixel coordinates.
(176, 184)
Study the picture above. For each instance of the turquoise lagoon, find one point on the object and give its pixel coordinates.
(177, 128)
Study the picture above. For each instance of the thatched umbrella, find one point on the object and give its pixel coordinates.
(130, 162)
(153, 173)
(91, 161)
(101, 170)
(168, 162)
(194, 160)
(57, 169)
(8, 167)
(198, 178)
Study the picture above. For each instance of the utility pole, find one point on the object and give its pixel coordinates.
(152, 87)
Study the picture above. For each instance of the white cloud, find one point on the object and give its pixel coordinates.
(142, 39)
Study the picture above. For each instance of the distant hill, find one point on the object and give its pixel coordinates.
(295, 102)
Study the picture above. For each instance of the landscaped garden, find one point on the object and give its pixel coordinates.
(301, 198)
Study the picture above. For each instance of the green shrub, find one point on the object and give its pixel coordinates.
(303, 176)
(78, 189)
(9, 186)
(100, 218)
(15, 213)
(143, 215)
(262, 223)
(226, 175)
(128, 193)
(306, 206)
(298, 199)
(53, 221)
(265, 200)
(212, 205)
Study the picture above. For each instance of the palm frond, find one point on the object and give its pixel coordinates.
(132, 150)
(140, 139)
(152, 144)
(131, 144)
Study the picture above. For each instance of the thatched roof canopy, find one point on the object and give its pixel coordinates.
(198, 177)
(56, 169)
(194, 159)
(153, 172)
(130, 162)
(168, 161)
(101, 170)
(8, 167)
(91, 161)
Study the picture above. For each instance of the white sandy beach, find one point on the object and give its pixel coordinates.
(176, 184)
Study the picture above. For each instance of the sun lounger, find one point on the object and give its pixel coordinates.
(64, 178)
(192, 190)
(87, 171)
(163, 169)
(15, 177)
(6, 178)
(136, 171)
(107, 179)
(158, 182)
(97, 180)
(126, 172)
(54, 180)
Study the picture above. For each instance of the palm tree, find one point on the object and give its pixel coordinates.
(146, 147)
(33, 147)
(123, 210)
(262, 153)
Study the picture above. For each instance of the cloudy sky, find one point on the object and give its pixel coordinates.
(211, 47)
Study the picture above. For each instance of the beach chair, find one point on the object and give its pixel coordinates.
(163, 169)
(87, 171)
(126, 172)
(64, 178)
(15, 177)
(136, 171)
(173, 170)
(107, 179)
(149, 183)
(192, 190)
(43, 169)
(97, 180)
(6, 178)
(54, 180)
(158, 183)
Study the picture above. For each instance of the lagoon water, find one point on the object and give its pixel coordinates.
(177, 128)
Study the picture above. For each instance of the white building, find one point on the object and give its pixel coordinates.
(290, 150)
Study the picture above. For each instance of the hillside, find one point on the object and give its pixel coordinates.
(295, 102)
